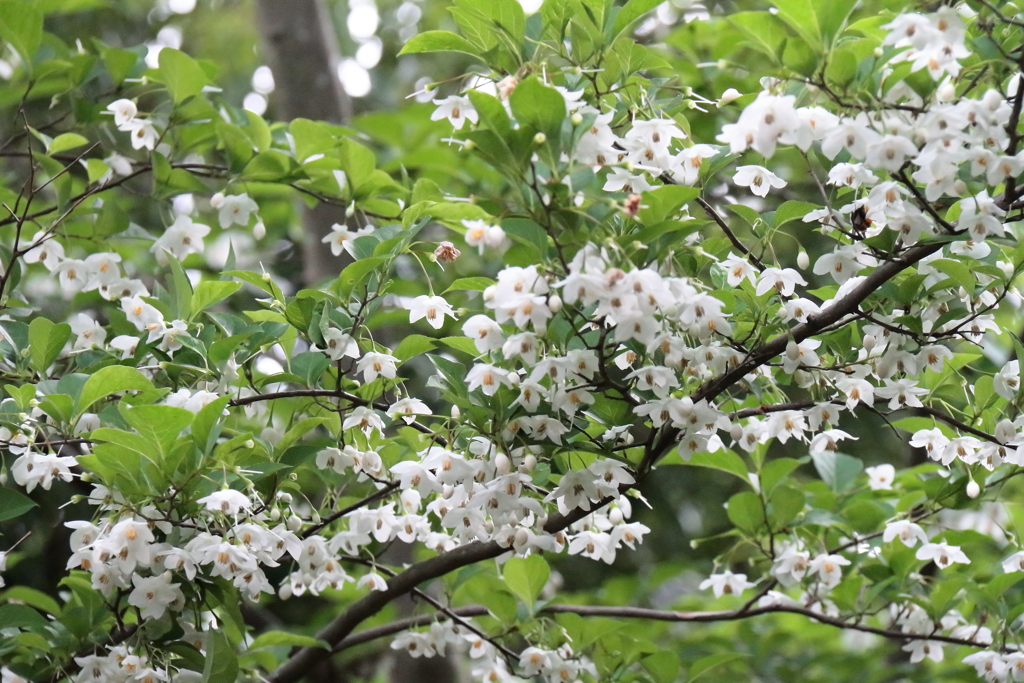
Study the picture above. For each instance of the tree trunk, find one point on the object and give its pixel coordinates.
(302, 50)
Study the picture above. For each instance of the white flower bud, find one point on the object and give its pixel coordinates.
(522, 536)
(350, 210)
(275, 515)
(945, 93)
(294, 523)
(540, 139)
(447, 490)
(730, 95)
(259, 231)
(802, 260)
(489, 293)
(315, 517)
(878, 52)
(615, 516)
(577, 119)
(973, 490)
(960, 187)
(285, 591)
(502, 464)
(1005, 431)
(250, 444)
(217, 200)
(555, 303)
(456, 413)
(528, 465)
(736, 431)
(285, 497)
(513, 379)
(869, 342)
(792, 350)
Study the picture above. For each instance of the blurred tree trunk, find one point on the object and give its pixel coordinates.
(302, 50)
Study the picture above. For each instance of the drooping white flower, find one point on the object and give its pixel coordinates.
(236, 209)
(942, 554)
(340, 238)
(880, 477)
(726, 583)
(227, 501)
(155, 595)
(758, 178)
(433, 308)
(456, 109)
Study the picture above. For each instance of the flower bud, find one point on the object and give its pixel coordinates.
(793, 350)
(555, 303)
(285, 497)
(878, 52)
(973, 490)
(469, 145)
(540, 139)
(946, 93)
(285, 591)
(730, 95)
(447, 490)
(869, 342)
(315, 518)
(265, 277)
(293, 523)
(217, 200)
(259, 231)
(577, 119)
(275, 515)
(522, 536)
(502, 464)
(802, 260)
(489, 293)
(736, 431)
(350, 210)
(513, 379)
(250, 444)
(528, 465)
(456, 413)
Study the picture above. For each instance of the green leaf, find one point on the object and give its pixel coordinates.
(630, 12)
(32, 597)
(109, 380)
(801, 16)
(276, 638)
(663, 666)
(21, 616)
(775, 471)
(355, 273)
(746, 512)
(182, 74)
(526, 577)
(66, 141)
(470, 284)
(180, 290)
(221, 662)
(45, 341)
(838, 470)
(664, 202)
(14, 504)
(785, 504)
(160, 424)
(438, 41)
(705, 664)
(413, 345)
(206, 424)
(959, 271)
(539, 106)
(21, 25)
(791, 211)
(765, 31)
(119, 63)
(209, 292)
(726, 461)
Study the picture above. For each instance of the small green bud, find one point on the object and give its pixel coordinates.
(540, 139)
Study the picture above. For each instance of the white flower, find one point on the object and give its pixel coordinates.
(341, 238)
(228, 501)
(487, 378)
(456, 109)
(408, 409)
(880, 477)
(123, 111)
(374, 581)
(782, 280)
(828, 568)
(726, 583)
(365, 419)
(1006, 382)
(184, 237)
(236, 209)
(758, 178)
(143, 134)
(433, 308)
(919, 649)
(906, 531)
(484, 332)
(340, 345)
(942, 554)
(88, 330)
(737, 269)
(154, 595)
(374, 365)
(45, 250)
